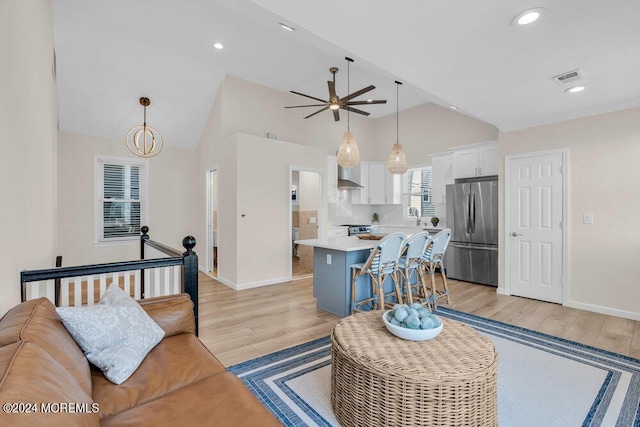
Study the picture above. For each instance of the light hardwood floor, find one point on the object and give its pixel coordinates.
(240, 325)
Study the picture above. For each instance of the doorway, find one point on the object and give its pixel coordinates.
(536, 228)
(212, 222)
(305, 213)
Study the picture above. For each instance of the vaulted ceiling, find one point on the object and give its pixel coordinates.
(452, 52)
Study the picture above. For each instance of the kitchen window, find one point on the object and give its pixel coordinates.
(417, 193)
(120, 198)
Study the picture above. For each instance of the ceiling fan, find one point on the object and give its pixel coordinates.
(335, 103)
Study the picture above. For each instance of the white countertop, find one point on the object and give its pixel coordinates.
(346, 244)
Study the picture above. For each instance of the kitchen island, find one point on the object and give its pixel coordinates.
(332, 257)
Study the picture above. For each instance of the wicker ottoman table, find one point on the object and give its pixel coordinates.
(378, 379)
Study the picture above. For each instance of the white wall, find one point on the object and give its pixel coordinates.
(255, 233)
(28, 118)
(604, 176)
(428, 129)
(254, 109)
(309, 190)
(171, 199)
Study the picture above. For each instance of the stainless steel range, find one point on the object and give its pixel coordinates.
(355, 229)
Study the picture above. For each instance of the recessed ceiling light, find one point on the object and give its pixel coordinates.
(218, 45)
(453, 107)
(575, 89)
(528, 16)
(286, 27)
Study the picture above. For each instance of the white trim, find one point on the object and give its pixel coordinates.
(251, 285)
(603, 310)
(207, 217)
(322, 226)
(566, 282)
(98, 161)
(475, 145)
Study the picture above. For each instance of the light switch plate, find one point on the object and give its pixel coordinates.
(328, 258)
(587, 218)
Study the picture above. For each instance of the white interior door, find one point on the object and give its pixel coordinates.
(535, 234)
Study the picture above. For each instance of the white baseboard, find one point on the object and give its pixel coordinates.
(502, 291)
(251, 285)
(603, 310)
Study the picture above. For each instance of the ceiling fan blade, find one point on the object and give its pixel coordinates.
(310, 105)
(307, 96)
(336, 115)
(354, 110)
(319, 111)
(332, 91)
(377, 101)
(358, 93)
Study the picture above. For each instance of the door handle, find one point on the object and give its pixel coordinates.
(514, 234)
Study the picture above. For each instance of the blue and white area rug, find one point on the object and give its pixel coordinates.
(542, 380)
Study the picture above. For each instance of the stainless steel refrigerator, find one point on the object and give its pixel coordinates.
(472, 215)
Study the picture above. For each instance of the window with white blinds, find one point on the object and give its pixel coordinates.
(120, 198)
(418, 193)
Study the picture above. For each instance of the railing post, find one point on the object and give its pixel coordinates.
(144, 229)
(190, 274)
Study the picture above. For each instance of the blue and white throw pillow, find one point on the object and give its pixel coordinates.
(116, 334)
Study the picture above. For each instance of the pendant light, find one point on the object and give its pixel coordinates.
(144, 141)
(397, 160)
(348, 153)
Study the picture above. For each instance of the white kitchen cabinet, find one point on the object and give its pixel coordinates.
(337, 231)
(441, 175)
(393, 187)
(377, 184)
(385, 188)
(360, 175)
(332, 179)
(481, 160)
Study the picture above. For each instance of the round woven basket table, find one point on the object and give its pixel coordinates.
(378, 379)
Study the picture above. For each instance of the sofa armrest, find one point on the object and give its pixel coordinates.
(173, 313)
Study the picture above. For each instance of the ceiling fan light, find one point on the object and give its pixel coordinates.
(397, 160)
(334, 106)
(348, 153)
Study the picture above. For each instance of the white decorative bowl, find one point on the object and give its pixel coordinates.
(412, 334)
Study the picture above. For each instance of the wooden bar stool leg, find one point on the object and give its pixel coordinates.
(354, 276)
(395, 276)
(434, 290)
(407, 285)
(380, 289)
(444, 282)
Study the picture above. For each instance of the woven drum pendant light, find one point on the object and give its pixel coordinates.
(397, 160)
(348, 153)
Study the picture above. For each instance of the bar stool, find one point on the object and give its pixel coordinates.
(382, 263)
(432, 259)
(410, 265)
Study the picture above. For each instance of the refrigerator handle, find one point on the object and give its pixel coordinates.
(467, 217)
(473, 206)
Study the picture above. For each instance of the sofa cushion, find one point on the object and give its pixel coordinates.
(115, 334)
(174, 363)
(37, 321)
(173, 313)
(30, 375)
(218, 400)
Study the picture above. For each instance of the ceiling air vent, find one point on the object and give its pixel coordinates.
(570, 77)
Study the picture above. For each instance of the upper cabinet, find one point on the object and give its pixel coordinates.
(332, 179)
(377, 184)
(360, 175)
(441, 175)
(380, 186)
(477, 161)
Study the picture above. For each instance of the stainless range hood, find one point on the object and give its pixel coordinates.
(344, 181)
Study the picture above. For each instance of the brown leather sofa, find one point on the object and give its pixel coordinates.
(46, 380)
